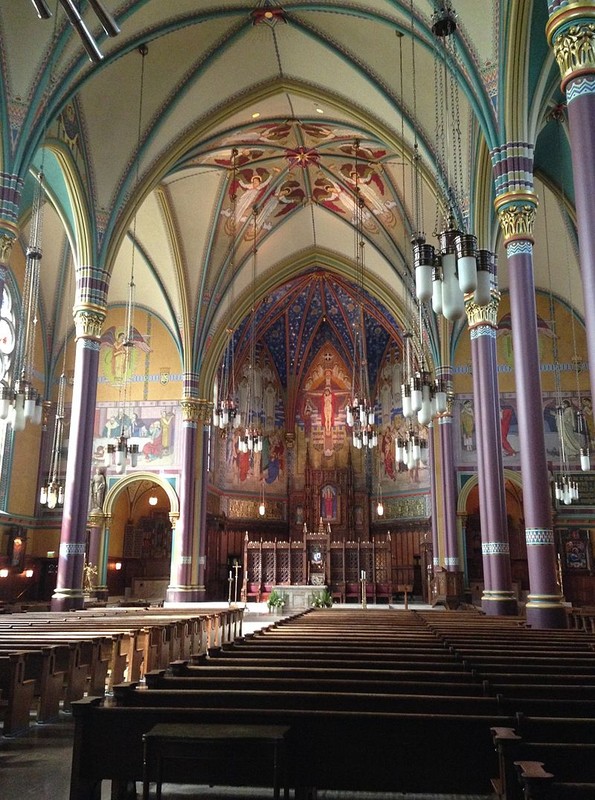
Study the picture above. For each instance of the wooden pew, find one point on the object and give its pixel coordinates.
(567, 761)
(83, 662)
(16, 693)
(159, 679)
(541, 785)
(338, 749)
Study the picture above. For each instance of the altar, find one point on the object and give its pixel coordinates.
(297, 598)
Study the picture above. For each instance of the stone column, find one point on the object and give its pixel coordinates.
(95, 556)
(449, 491)
(433, 498)
(89, 315)
(516, 208)
(571, 34)
(497, 595)
(187, 573)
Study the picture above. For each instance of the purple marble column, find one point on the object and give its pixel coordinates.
(89, 316)
(449, 493)
(571, 33)
(433, 498)
(497, 595)
(516, 212)
(187, 570)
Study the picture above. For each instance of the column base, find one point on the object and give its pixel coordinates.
(546, 611)
(68, 600)
(185, 594)
(499, 604)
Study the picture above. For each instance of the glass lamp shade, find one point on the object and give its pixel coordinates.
(423, 282)
(424, 415)
(416, 450)
(466, 246)
(52, 496)
(398, 450)
(482, 291)
(43, 495)
(4, 402)
(423, 261)
(406, 400)
(60, 495)
(29, 407)
(453, 301)
(38, 413)
(380, 509)
(262, 509)
(440, 402)
(416, 393)
(437, 293)
(486, 276)
(585, 461)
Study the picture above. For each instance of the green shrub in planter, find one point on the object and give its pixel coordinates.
(276, 600)
(322, 599)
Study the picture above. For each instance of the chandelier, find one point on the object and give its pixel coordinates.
(573, 432)
(120, 452)
(20, 402)
(411, 449)
(457, 267)
(251, 440)
(52, 491)
(360, 413)
(226, 414)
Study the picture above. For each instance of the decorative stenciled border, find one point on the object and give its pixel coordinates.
(72, 549)
(495, 548)
(539, 536)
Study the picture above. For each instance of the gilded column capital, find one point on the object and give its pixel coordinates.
(6, 243)
(516, 215)
(570, 32)
(196, 410)
(96, 519)
(205, 410)
(482, 315)
(88, 321)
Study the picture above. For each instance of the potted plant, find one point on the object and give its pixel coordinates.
(322, 599)
(276, 601)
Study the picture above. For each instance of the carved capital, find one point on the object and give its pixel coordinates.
(88, 322)
(483, 315)
(196, 410)
(571, 33)
(516, 214)
(205, 410)
(6, 243)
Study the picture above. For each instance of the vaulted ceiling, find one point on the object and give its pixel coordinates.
(264, 113)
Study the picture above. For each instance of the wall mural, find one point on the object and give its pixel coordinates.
(571, 432)
(152, 427)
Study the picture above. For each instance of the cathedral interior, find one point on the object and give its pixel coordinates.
(235, 237)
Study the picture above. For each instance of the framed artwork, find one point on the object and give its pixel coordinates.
(17, 548)
(576, 546)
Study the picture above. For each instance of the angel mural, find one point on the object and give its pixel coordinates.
(118, 355)
(372, 189)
